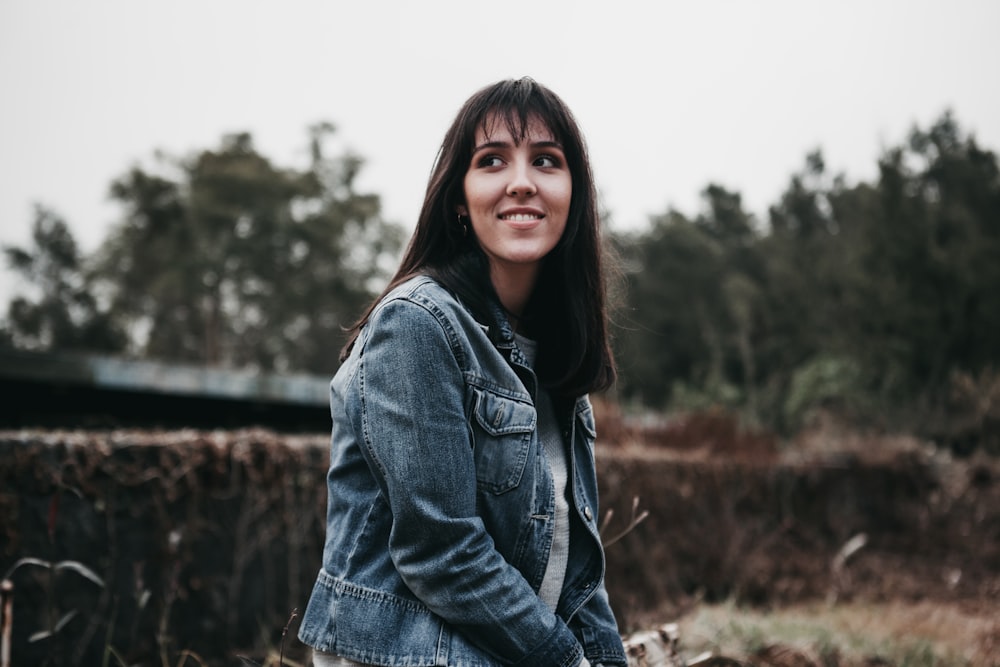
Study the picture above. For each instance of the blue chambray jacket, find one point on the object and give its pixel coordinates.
(440, 503)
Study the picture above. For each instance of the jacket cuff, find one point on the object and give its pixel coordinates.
(559, 649)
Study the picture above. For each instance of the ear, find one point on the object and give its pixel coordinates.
(462, 210)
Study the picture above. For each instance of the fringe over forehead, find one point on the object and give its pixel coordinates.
(516, 103)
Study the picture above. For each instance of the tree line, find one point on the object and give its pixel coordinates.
(878, 302)
(222, 258)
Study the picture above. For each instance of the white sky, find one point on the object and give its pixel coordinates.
(671, 95)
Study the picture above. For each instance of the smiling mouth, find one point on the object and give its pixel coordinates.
(522, 217)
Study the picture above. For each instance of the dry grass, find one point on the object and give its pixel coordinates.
(892, 633)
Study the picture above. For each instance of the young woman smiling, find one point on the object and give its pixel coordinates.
(517, 195)
(461, 524)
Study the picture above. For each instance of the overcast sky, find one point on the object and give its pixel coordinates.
(671, 95)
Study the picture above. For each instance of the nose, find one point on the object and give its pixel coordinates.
(521, 183)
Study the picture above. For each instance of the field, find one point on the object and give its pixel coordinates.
(835, 549)
(847, 633)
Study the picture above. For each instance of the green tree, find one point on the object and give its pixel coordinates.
(807, 256)
(865, 299)
(932, 303)
(234, 261)
(63, 313)
(666, 335)
(688, 333)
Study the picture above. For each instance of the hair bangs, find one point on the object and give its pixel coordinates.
(518, 103)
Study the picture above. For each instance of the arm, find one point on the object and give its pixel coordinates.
(594, 625)
(415, 432)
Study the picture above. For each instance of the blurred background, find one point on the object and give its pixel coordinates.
(804, 198)
(804, 194)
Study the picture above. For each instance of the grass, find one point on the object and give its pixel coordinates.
(911, 635)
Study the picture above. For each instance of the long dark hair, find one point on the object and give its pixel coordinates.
(567, 311)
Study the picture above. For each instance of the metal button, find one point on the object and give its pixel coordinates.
(586, 513)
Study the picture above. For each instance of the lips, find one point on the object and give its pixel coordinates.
(521, 217)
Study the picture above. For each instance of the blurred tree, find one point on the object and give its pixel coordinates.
(861, 299)
(868, 299)
(64, 313)
(237, 262)
(693, 306)
(932, 291)
(666, 336)
(806, 259)
(741, 304)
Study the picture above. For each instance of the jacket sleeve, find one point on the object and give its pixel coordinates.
(412, 423)
(595, 627)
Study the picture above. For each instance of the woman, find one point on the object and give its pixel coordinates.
(461, 526)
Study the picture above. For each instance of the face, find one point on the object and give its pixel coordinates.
(517, 196)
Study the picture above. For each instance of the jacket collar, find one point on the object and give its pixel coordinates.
(503, 339)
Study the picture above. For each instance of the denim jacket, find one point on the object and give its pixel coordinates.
(440, 502)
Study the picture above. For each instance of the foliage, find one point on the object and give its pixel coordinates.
(845, 634)
(206, 540)
(64, 313)
(197, 545)
(221, 258)
(862, 298)
(54, 624)
(866, 299)
(823, 382)
(239, 262)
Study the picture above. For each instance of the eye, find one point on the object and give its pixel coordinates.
(489, 161)
(547, 161)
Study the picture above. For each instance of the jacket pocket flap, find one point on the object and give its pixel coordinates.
(499, 415)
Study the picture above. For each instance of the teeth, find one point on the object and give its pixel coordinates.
(521, 217)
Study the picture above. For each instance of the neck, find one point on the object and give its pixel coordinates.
(513, 286)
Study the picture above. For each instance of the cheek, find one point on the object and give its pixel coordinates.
(476, 194)
(561, 232)
(566, 193)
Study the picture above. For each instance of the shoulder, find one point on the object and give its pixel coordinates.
(419, 312)
(419, 297)
(419, 289)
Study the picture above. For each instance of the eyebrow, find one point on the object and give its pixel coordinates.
(507, 144)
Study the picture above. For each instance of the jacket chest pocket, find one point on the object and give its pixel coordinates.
(502, 430)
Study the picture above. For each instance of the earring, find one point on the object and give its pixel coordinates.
(464, 225)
